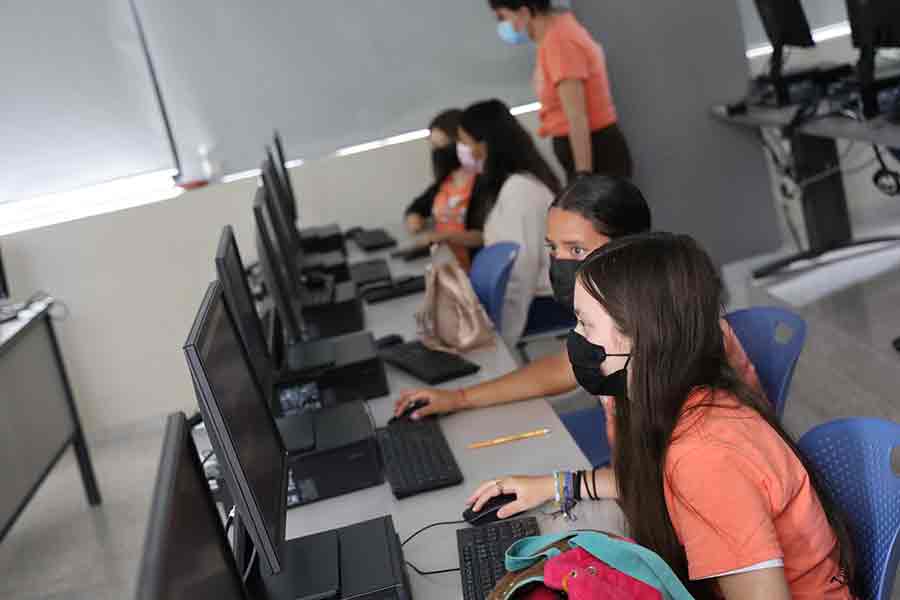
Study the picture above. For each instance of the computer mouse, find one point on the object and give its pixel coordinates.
(488, 512)
(388, 341)
(408, 411)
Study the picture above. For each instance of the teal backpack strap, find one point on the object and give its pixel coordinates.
(525, 552)
(639, 562)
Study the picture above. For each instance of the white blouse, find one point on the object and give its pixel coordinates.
(520, 215)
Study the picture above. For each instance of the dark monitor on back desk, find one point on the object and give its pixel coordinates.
(241, 428)
(785, 23)
(230, 269)
(874, 24)
(273, 275)
(4, 286)
(289, 199)
(186, 554)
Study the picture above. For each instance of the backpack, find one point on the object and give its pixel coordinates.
(452, 317)
(586, 565)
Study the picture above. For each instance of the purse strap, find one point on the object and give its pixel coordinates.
(630, 558)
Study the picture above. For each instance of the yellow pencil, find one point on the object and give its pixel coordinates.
(509, 438)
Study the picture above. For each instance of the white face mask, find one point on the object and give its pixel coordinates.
(467, 159)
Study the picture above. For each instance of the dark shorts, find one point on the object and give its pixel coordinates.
(610, 151)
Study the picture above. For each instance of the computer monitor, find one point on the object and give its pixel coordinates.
(186, 554)
(4, 287)
(239, 300)
(874, 24)
(290, 200)
(786, 24)
(240, 426)
(286, 237)
(273, 276)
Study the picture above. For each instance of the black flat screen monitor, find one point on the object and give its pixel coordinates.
(289, 198)
(186, 554)
(785, 23)
(4, 287)
(241, 428)
(287, 237)
(274, 277)
(239, 300)
(874, 23)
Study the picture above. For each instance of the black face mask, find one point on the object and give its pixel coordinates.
(562, 280)
(443, 162)
(586, 359)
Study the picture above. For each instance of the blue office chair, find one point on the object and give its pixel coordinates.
(490, 275)
(853, 458)
(773, 339)
(546, 319)
(588, 428)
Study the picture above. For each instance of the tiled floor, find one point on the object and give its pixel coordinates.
(60, 548)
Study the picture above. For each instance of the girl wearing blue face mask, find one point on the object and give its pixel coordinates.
(572, 84)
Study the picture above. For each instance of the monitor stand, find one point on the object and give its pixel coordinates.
(871, 82)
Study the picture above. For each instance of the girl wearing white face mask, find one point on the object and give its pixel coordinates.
(515, 186)
(572, 84)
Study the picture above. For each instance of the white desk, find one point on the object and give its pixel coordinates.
(436, 548)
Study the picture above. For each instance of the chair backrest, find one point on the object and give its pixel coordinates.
(773, 339)
(853, 458)
(490, 275)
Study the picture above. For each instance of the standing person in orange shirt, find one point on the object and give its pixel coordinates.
(572, 84)
(446, 201)
(706, 476)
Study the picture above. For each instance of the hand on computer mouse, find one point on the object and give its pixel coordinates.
(530, 492)
(438, 402)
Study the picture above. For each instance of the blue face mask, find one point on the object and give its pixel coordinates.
(508, 34)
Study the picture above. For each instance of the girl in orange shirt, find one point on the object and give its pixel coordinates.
(705, 474)
(572, 84)
(446, 202)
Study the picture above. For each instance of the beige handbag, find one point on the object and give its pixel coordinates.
(452, 318)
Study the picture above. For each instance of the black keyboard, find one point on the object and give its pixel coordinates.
(374, 239)
(370, 271)
(482, 552)
(396, 289)
(417, 457)
(431, 366)
(412, 252)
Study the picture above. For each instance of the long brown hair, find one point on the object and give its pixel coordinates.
(664, 293)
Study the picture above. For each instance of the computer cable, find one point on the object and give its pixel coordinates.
(249, 568)
(427, 527)
(421, 572)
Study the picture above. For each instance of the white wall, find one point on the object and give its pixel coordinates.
(133, 279)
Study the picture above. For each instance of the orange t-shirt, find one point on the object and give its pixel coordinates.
(737, 358)
(738, 496)
(449, 211)
(569, 52)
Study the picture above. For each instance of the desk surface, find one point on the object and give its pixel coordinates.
(876, 131)
(436, 548)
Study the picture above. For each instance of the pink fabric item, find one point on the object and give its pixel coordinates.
(585, 577)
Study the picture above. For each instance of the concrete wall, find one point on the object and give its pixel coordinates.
(669, 62)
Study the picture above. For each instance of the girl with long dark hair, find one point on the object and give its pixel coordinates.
(705, 474)
(514, 189)
(446, 202)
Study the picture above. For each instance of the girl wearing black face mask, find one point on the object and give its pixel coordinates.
(705, 475)
(446, 202)
(586, 215)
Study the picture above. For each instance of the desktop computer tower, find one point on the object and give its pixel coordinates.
(340, 315)
(339, 453)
